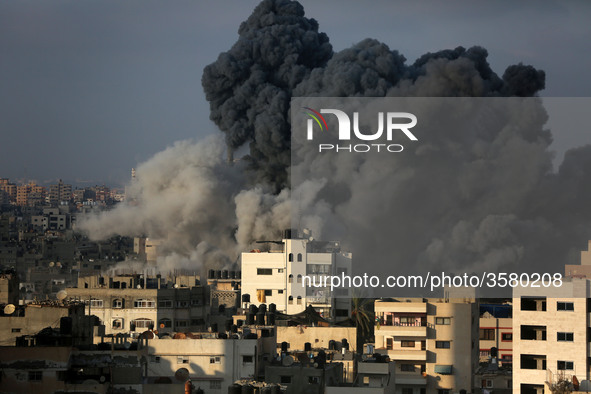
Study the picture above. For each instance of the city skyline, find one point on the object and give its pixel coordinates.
(89, 95)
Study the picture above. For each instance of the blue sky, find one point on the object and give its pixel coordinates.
(91, 88)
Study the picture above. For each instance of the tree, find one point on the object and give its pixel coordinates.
(362, 316)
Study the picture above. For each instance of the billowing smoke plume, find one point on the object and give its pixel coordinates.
(251, 85)
(205, 207)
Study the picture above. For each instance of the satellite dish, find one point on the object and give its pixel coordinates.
(51, 264)
(139, 286)
(61, 295)
(182, 374)
(176, 285)
(287, 361)
(9, 309)
(102, 379)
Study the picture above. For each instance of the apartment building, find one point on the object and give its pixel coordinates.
(212, 364)
(496, 331)
(8, 189)
(136, 303)
(552, 332)
(277, 275)
(434, 342)
(59, 192)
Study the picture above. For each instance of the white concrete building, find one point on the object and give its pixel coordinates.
(277, 275)
(211, 364)
(551, 332)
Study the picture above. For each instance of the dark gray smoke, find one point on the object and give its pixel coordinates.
(280, 54)
(511, 207)
(483, 221)
(250, 86)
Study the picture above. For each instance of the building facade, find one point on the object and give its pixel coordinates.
(277, 276)
(551, 329)
(434, 343)
(128, 303)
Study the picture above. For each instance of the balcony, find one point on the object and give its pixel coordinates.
(404, 355)
(401, 330)
(412, 378)
(401, 307)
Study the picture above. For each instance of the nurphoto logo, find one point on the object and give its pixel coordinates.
(395, 122)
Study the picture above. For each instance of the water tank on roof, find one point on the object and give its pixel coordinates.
(270, 319)
(247, 389)
(234, 389)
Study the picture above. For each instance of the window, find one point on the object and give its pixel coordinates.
(182, 359)
(155, 359)
(15, 330)
(118, 303)
(215, 384)
(285, 379)
(389, 343)
(486, 384)
(565, 306)
(565, 336)
(264, 271)
(291, 257)
(299, 300)
(407, 343)
(215, 360)
(407, 391)
(247, 359)
(96, 303)
(117, 324)
(507, 337)
(195, 302)
(443, 320)
(182, 304)
(144, 304)
(299, 257)
(565, 365)
(313, 379)
(290, 278)
(279, 270)
(299, 278)
(268, 292)
(342, 313)
(181, 323)
(442, 344)
(407, 367)
(279, 291)
(143, 323)
(290, 300)
(165, 323)
(487, 334)
(35, 376)
(443, 391)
